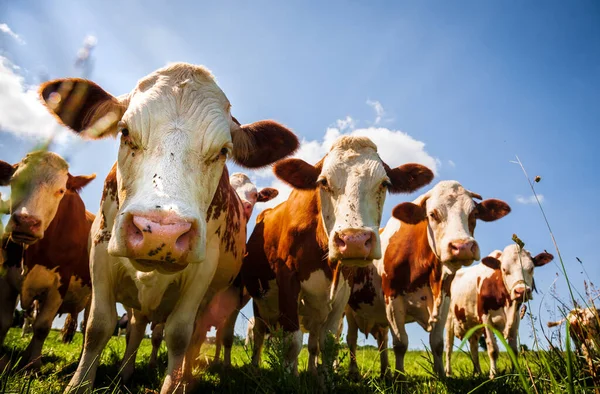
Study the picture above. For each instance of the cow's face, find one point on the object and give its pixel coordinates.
(248, 192)
(38, 184)
(352, 181)
(516, 265)
(176, 132)
(451, 215)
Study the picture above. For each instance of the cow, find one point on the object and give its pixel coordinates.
(29, 318)
(51, 225)
(169, 225)
(249, 196)
(491, 293)
(300, 252)
(425, 242)
(584, 329)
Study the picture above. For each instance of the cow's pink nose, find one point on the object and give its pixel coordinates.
(522, 291)
(462, 250)
(165, 239)
(353, 244)
(26, 222)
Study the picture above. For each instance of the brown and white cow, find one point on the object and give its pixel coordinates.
(491, 293)
(221, 306)
(170, 224)
(49, 222)
(425, 243)
(584, 329)
(293, 269)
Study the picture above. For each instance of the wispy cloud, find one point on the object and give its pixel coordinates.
(21, 111)
(529, 199)
(4, 28)
(379, 111)
(347, 123)
(451, 163)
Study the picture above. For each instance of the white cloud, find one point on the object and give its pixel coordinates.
(347, 123)
(379, 111)
(21, 111)
(4, 28)
(451, 163)
(529, 199)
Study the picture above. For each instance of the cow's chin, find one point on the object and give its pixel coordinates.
(356, 262)
(455, 265)
(160, 266)
(24, 238)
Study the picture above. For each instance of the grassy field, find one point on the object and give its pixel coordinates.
(60, 361)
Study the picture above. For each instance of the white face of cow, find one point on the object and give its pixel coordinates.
(176, 134)
(38, 184)
(248, 193)
(517, 266)
(451, 216)
(352, 181)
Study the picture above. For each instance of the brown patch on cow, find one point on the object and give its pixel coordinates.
(65, 244)
(110, 186)
(492, 294)
(460, 313)
(366, 295)
(409, 262)
(227, 200)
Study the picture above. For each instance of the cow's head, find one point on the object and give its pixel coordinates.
(516, 266)
(176, 133)
(38, 184)
(451, 215)
(248, 193)
(352, 181)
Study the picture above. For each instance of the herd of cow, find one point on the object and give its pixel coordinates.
(169, 240)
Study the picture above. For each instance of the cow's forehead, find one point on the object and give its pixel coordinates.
(42, 167)
(514, 254)
(449, 195)
(238, 180)
(359, 153)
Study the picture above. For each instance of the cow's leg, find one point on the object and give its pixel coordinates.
(259, 330)
(449, 344)
(396, 314)
(100, 325)
(436, 337)
(474, 345)
(157, 337)
(313, 351)
(492, 347)
(70, 327)
(137, 327)
(225, 335)
(289, 292)
(352, 340)
(41, 327)
(382, 344)
(8, 300)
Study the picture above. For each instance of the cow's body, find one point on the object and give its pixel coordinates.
(169, 232)
(584, 328)
(301, 252)
(491, 293)
(55, 262)
(424, 243)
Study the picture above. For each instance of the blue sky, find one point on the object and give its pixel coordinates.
(476, 82)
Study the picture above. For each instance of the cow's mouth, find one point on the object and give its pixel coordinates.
(154, 265)
(21, 237)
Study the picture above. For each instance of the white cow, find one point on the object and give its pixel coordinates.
(169, 225)
(491, 293)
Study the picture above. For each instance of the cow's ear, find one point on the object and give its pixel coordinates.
(542, 259)
(76, 183)
(261, 143)
(6, 173)
(409, 213)
(492, 209)
(267, 194)
(297, 173)
(491, 262)
(408, 177)
(83, 106)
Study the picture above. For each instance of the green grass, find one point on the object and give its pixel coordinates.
(60, 361)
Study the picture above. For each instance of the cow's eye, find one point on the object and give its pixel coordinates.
(322, 182)
(386, 184)
(434, 215)
(122, 128)
(224, 151)
(61, 191)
